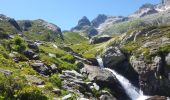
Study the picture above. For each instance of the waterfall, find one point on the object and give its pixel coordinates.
(100, 62)
(131, 91)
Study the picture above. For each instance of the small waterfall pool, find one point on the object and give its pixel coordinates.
(133, 92)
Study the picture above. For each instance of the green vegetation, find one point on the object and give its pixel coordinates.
(56, 81)
(165, 49)
(31, 93)
(18, 44)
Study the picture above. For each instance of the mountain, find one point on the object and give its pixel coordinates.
(39, 62)
(105, 24)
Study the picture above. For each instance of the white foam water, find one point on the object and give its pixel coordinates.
(133, 92)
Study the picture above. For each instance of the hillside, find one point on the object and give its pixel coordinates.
(108, 58)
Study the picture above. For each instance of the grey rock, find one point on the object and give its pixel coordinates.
(29, 53)
(14, 23)
(112, 56)
(67, 97)
(100, 39)
(107, 97)
(33, 46)
(53, 67)
(56, 91)
(167, 59)
(41, 68)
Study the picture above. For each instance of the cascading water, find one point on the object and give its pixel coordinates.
(132, 91)
(100, 62)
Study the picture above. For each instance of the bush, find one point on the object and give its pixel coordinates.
(55, 80)
(31, 93)
(69, 58)
(164, 49)
(18, 44)
(9, 86)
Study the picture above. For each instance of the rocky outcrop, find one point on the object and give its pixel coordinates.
(152, 77)
(25, 25)
(104, 78)
(100, 39)
(112, 56)
(15, 24)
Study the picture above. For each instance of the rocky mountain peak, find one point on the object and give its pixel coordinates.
(101, 18)
(147, 5)
(83, 26)
(84, 21)
(144, 10)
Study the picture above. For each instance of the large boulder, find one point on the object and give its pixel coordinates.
(112, 56)
(31, 54)
(41, 68)
(104, 78)
(33, 46)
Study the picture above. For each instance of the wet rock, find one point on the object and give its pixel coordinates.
(93, 61)
(157, 98)
(104, 78)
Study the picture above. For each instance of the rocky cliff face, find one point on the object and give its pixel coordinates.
(148, 53)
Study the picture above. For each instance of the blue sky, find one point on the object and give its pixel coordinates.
(66, 13)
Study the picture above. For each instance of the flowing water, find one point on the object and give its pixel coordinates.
(133, 92)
